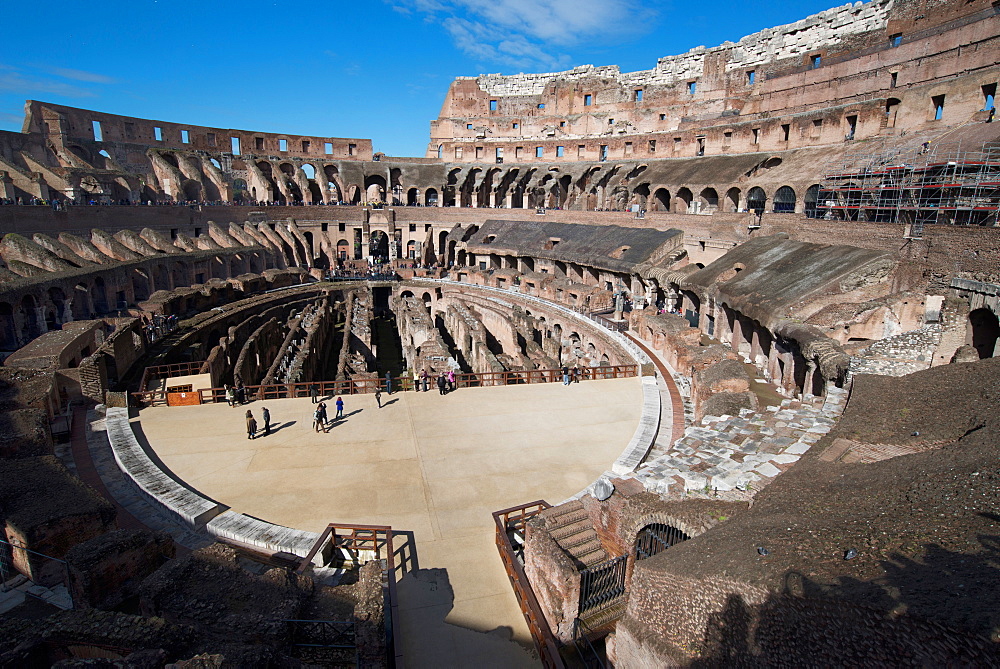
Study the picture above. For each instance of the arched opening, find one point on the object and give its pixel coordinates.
(378, 246)
(343, 249)
(354, 194)
(192, 190)
(661, 200)
(411, 197)
(140, 286)
(784, 200)
(684, 197)
(239, 190)
(810, 200)
(29, 315)
(709, 199)
(99, 296)
(8, 333)
(431, 197)
(732, 202)
(288, 177)
(375, 189)
(656, 538)
(891, 109)
(985, 331)
(411, 250)
(756, 200)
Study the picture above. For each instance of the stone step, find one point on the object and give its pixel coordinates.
(590, 554)
(564, 532)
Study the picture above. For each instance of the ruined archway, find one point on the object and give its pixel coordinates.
(985, 330)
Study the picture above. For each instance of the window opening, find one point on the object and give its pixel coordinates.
(896, 40)
(98, 134)
(892, 79)
(938, 102)
(638, 95)
(328, 148)
(305, 145)
(282, 145)
(815, 62)
(785, 131)
(158, 134)
(185, 137)
(588, 100)
(751, 77)
(989, 96)
(493, 105)
(539, 151)
(560, 151)
(210, 137)
(258, 143)
(235, 143)
(692, 87)
(652, 146)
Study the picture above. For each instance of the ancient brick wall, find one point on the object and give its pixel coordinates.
(107, 570)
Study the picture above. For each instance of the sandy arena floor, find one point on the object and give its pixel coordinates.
(431, 465)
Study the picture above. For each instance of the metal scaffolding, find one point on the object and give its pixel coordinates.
(944, 185)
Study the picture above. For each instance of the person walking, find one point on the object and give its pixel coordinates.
(266, 415)
(565, 373)
(378, 398)
(388, 383)
(251, 425)
(340, 406)
(451, 380)
(241, 393)
(440, 382)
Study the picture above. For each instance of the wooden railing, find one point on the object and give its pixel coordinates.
(363, 386)
(166, 371)
(509, 521)
(353, 540)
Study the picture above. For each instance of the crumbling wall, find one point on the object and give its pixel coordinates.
(108, 569)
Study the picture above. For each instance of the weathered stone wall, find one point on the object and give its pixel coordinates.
(107, 570)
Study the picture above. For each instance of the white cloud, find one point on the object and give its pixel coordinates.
(80, 75)
(530, 33)
(14, 81)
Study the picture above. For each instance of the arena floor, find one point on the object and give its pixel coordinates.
(433, 465)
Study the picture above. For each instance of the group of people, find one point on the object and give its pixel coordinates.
(571, 375)
(236, 395)
(445, 381)
(159, 325)
(321, 421)
(252, 423)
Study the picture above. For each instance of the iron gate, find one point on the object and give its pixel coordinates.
(602, 584)
(655, 538)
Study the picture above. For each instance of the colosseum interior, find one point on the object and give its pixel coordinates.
(742, 306)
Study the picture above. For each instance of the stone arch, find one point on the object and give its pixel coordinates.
(709, 199)
(192, 190)
(375, 188)
(29, 317)
(756, 199)
(412, 197)
(732, 201)
(661, 200)
(784, 200)
(140, 285)
(8, 328)
(431, 197)
(811, 201)
(683, 200)
(343, 249)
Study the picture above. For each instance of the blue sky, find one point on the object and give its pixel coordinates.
(377, 69)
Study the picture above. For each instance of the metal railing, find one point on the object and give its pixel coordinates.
(353, 542)
(405, 383)
(323, 642)
(602, 584)
(511, 522)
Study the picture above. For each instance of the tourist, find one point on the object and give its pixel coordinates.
(576, 373)
(230, 396)
(340, 406)
(378, 399)
(241, 393)
(322, 416)
(440, 383)
(266, 415)
(313, 393)
(565, 374)
(451, 380)
(388, 383)
(423, 378)
(416, 380)
(317, 418)
(251, 425)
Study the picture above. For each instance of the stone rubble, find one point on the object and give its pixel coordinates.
(741, 453)
(900, 354)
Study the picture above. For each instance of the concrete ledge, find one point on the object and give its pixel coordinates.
(187, 505)
(645, 433)
(264, 535)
